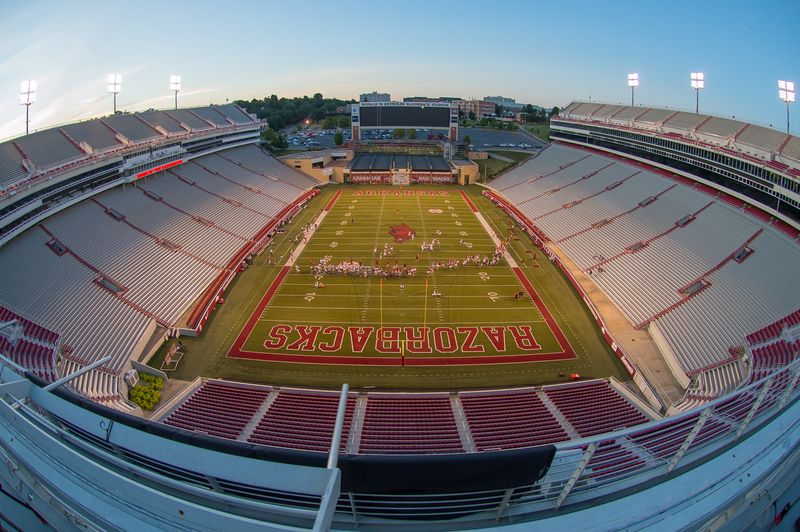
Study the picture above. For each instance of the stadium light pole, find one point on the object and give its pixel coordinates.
(27, 95)
(633, 82)
(114, 87)
(787, 94)
(698, 81)
(175, 85)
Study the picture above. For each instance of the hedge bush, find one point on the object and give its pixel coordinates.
(147, 393)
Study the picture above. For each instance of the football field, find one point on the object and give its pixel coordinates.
(418, 287)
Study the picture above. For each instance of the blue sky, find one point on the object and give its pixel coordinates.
(546, 53)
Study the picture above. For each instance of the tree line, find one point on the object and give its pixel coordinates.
(283, 112)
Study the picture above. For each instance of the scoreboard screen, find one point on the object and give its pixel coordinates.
(405, 116)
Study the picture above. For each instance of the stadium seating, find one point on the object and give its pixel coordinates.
(507, 420)
(408, 423)
(126, 261)
(662, 250)
(35, 349)
(219, 409)
(594, 407)
(303, 420)
(773, 330)
(769, 357)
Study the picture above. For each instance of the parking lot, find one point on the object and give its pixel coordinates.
(491, 138)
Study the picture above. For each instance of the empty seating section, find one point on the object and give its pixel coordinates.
(607, 111)
(642, 259)
(739, 299)
(770, 357)
(49, 148)
(155, 217)
(35, 349)
(792, 148)
(582, 216)
(655, 116)
(164, 254)
(773, 330)
(219, 184)
(212, 115)
(252, 159)
(761, 137)
(191, 120)
(507, 420)
(191, 199)
(604, 241)
(30, 329)
(60, 291)
(219, 409)
(52, 148)
(303, 420)
(94, 133)
(594, 407)
(721, 127)
(131, 127)
(627, 113)
(11, 169)
(409, 425)
(404, 423)
(682, 121)
(163, 120)
(158, 279)
(235, 113)
(671, 262)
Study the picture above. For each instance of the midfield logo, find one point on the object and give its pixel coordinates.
(401, 233)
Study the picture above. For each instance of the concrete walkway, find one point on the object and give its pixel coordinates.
(636, 344)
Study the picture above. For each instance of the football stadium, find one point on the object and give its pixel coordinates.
(197, 333)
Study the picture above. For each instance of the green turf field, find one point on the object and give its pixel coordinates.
(390, 332)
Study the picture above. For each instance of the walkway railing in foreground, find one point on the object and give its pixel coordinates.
(243, 480)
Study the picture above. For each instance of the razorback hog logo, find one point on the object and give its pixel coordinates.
(392, 340)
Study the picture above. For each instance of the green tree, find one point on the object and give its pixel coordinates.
(280, 142)
(399, 133)
(555, 111)
(329, 122)
(338, 138)
(467, 140)
(412, 133)
(471, 115)
(344, 121)
(483, 122)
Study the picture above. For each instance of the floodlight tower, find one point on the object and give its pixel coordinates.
(698, 81)
(27, 95)
(175, 85)
(633, 82)
(786, 93)
(114, 87)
